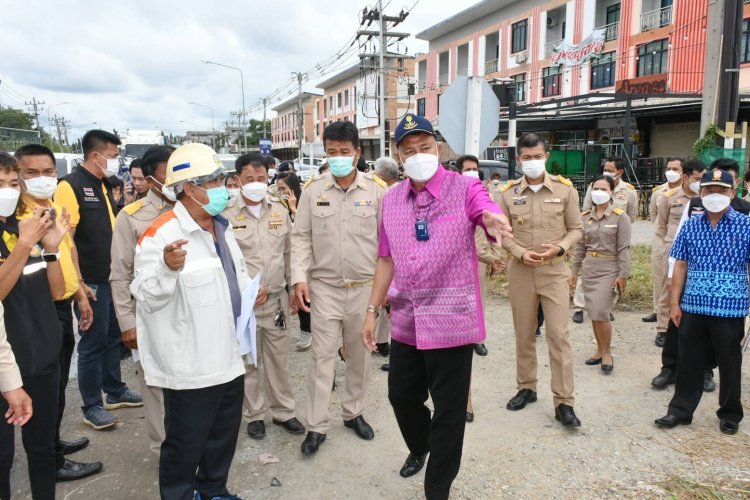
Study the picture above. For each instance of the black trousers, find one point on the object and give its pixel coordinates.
(698, 333)
(445, 374)
(201, 427)
(38, 437)
(670, 351)
(65, 315)
(304, 320)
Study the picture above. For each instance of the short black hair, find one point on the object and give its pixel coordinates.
(324, 167)
(341, 131)
(461, 159)
(362, 165)
(292, 181)
(8, 163)
(675, 158)
(691, 166)
(530, 140)
(607, 178)
(97, 140)
(34, 150)
(135, 163)
(269, 161)
(619, 162)
(154, 156)
(252, 159)
(726, 164)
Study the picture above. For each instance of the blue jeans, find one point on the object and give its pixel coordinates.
(99, 352)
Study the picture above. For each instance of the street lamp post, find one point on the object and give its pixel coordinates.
(49, 120)
(242, 83)
(213, 132)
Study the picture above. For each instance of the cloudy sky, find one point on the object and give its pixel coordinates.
(136, 64)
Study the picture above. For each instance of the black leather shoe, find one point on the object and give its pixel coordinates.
(609, 368)
(292, 426)
(578, 316)
(728, 427)
(665, 377)
(651, 318)
(70, 471)
(384, 348)
(593, 361)
(386, 367)
(413, 464)
(566, 416)
(521, 399)
(256, 429)
(708, 381)
(661, 337)
(70, 447)
(670, 421)
(469, 416)
(480, 349)
(312, 442)
(361, 428)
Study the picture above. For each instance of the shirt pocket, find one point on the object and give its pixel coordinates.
(365, 220)
(195, 285)
(241, 232)
(322, 221)
(520, 215)
(552, 215)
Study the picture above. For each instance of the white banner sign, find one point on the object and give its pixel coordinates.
(575, 55)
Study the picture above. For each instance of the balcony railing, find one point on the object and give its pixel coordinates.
(611, 31)
(491, 66)
(549, 47)
(421, 86)
(443, 80)
(656, 18)
(462, 72)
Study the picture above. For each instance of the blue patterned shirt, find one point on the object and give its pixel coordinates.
(717, 259)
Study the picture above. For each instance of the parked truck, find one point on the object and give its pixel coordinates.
(136, 142)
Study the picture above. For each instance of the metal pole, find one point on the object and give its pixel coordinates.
(381, 69)
(300, 117)
(242, 118)
(265, 103)
(511, 140)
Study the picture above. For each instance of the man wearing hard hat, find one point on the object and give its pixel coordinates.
(189, 275)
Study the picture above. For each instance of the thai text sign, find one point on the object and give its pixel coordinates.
(654, 84)
(575, 55)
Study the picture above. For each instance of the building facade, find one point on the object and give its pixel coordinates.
(285, 128)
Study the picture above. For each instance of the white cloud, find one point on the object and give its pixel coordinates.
(136, 64)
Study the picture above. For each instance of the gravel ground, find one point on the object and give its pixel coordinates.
(618, 452)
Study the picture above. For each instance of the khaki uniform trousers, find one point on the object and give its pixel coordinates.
(482, 268)
(579, 299)
(153, 410)
(273, 354)
(336, 311)
(658, 270)
(548, 285)
(662, 311)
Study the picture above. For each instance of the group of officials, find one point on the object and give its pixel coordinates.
(185, 263)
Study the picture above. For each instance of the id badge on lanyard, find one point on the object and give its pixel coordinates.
(420, 226)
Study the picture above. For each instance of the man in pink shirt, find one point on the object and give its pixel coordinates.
(427, 266)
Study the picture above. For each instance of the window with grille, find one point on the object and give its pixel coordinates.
(551, 81)
(652, 58)
(519, 35)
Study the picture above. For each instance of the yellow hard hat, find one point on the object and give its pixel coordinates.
(193, 162)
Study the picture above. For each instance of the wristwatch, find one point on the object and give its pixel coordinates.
(372, 309)
(50, 257)
(561, 252)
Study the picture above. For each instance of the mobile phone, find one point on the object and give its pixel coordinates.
(52, 213)
(93, 288)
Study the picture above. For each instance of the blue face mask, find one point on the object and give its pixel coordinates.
(218, 198)
(341, 166)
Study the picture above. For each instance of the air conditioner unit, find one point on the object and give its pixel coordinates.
(551, 22)
(522, 57)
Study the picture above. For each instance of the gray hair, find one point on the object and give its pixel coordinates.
(386, 168)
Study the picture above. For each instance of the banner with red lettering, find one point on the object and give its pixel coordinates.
(575, 55)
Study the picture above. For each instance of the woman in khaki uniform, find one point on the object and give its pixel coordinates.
(604, 252)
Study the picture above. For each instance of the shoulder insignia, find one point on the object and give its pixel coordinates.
(380, 182)
(312, 178)
(563, 180)
(656, 188)
(133, 207)
(618, 211)
(509, 184)
(670, 192)
(629, 185)
(586, 212)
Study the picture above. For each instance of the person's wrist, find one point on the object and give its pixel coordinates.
(50, 249)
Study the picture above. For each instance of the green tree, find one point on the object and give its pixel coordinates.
(16, 118)
(255, 131)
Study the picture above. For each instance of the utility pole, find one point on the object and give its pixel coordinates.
(66, 127)
(238, 114)
(265, 105)
(369, 16)
(36, 107)
(300, 115)
(57, 127)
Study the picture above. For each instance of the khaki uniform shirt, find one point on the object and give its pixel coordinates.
(550, 215)
(624, 197)
(335, 235)
(653, 206)
(670, 209)
(608, 237)
(265, 241)
(130, 224)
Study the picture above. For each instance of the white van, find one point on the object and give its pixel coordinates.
(67, 162)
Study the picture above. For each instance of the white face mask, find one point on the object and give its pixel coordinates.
(600, 197)
(169, 193)
(610, 174)
(472, 173)
(8, 201)
(672, 176)
(255, 191)
(716, 202)
(42, 187)
(421, 166)
(112, 166)
(533, 169)
(271, 173)
(234, 193)
(695, 187)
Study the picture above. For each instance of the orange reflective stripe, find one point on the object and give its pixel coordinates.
(159, 222)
